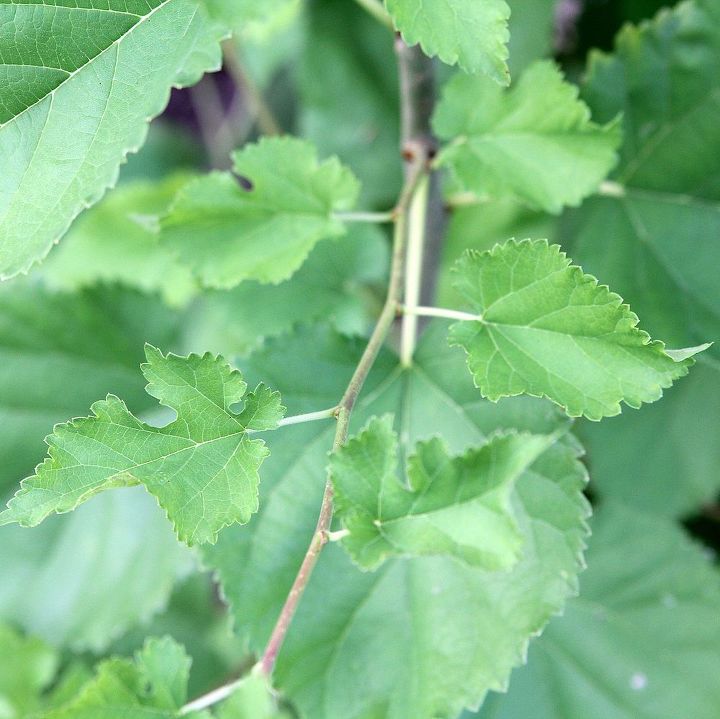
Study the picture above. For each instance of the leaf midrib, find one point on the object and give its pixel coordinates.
(142, 19)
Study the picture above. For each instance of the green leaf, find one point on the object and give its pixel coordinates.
(534, 142)
(202, 467)
(251, 19)
(153, 685)
(334, 284)
(130, 254)
(546, 329)
(27, 667)
(531, 32)
(470, 33)
(118, 61)
(124, 574)
(422, 637)
(640, 641)
(228, 234)
(59, 352)
(654, 239)
(456, 506)
(345, 48)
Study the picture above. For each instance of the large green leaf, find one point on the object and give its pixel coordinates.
(152, 686)
(202, 467)
(546, 329)
(452, 506)
(534, 142)
(115, 59)
(655, 240)
(60, 352)
(419, 638)
(640, 641)
(123, 574)
(262, 225)
(471, 33)
(27, 667)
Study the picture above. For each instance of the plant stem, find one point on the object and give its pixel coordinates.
(413, 270)
(213, 697)
(378, 11)
(308, 417)
(439, 312)
(376, 217)
(344, 410)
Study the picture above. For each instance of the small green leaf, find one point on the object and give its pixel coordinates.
(202, 467)
(153, 685)
(264, 230)
(534, 142)
(253, 699)
(117, 61)
(546, 329)
(471, 33)
(456, 506)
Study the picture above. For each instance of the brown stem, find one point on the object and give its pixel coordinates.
(344, 410)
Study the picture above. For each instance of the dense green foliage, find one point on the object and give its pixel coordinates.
(394, 219)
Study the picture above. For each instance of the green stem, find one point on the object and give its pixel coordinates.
(378, 11)
(376, 217)
(439, 312)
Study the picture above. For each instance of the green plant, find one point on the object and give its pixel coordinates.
(375, 455)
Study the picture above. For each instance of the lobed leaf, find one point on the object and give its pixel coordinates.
(115, 59)
(264, 231)
(534, 142)
(452, 506)
(202, 467)
(470, 33)
(546, 329)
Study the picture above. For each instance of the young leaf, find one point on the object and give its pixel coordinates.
(534, 142)
(27, 667)
(420, 637)
(264, 230)
(202, 467)
(115, 60)
(455, 506)
(153, 685)
(471, 33)
(546, 329)
(123, 576)
(606, 656)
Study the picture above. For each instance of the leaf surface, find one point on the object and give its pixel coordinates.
(117, 60)
(127, 568)
(419, 638)
(202, 467)
(264, 230)
(605, 658)
(546, 329)
(470, 33)
(534, 142)
(454, 506)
